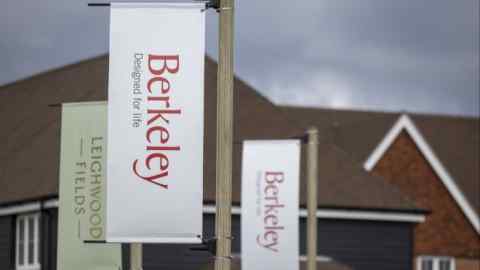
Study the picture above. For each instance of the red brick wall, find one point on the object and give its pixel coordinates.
(463, 264)
(446, 231)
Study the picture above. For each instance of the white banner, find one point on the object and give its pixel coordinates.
(155, 122)
(270, 206)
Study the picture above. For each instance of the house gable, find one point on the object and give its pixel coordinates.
(446, 231)
(404, 123)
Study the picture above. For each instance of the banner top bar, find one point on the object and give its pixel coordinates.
(208, 3)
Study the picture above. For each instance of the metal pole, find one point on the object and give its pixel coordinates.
(224, 136)
(136, 256)
(312, 175)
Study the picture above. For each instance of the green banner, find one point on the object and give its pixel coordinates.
(81, 214)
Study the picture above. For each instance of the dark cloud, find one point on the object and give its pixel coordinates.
(40, 35)
(388, 55)
(410, 55)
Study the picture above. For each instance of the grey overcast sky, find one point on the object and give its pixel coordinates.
(413, 55)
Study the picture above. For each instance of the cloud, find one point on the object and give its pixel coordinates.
(324, 87)
(418, 55)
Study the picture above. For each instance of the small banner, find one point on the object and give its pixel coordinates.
(270, 206)
(81, 213)
(155, 122)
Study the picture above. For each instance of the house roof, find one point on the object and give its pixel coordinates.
(31, 133)
(358, 132)
(454, 140)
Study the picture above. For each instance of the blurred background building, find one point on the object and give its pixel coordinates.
(393, 87)
(396, 190)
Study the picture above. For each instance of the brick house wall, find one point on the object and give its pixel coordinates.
(467, 264)
(446, 231)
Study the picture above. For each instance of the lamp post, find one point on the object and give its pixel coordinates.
(223, 217)
(312, 175)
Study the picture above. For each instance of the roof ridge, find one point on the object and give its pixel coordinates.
(352, 110)
(53, 70)
(383, 112)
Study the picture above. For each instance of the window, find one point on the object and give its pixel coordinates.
(427, 264)
(435, 263)
(445, 264)
(27, 242)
